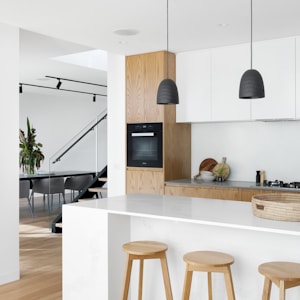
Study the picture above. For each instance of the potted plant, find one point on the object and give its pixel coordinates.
(30, 156)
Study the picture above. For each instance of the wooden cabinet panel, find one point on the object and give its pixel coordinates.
(144, 72)
(203, 192)
(142, 180)
(215, 192)
(246, 194)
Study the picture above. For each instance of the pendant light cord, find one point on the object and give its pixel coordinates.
(167, 38)
(251, 33)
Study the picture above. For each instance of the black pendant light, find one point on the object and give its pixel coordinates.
(251, 85)
(167, 90)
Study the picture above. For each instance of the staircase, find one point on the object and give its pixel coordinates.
(99, 190)
(91, 191)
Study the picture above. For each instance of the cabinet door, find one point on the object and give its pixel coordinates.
(298, 78)
(148, 181)
(228, 66)
(193, 80)
(143, 74)
(275, 60)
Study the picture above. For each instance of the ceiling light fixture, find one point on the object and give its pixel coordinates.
(251, 85)
(167, 90)
(73, 80)
(94, 98)
(20, 88)
(58, 84)
(63, 90)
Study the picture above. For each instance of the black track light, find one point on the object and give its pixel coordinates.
(20, 89)
(94, 98)
(58, 84)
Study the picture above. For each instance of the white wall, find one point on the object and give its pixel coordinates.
(250, 146)
(59, 118)
(9, 121)
(116, 157)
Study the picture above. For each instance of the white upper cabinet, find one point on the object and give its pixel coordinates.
(298, 78)
(228, 66)
(208, 82)
(193, 78)
(275, 60)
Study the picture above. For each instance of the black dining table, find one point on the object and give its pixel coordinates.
(40, 175)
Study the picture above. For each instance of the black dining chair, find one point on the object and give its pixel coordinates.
(24, 192)
(49, 187)
(77, 184)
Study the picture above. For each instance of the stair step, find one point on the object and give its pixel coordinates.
(103, 179)
(85, 199)
(59, 225)
(97, 190)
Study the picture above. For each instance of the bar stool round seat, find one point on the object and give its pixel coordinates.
(284, 275)
(208, 261)
(141, 250)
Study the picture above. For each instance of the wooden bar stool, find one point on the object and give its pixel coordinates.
(141, 250)
(284, 274)
(208, 261)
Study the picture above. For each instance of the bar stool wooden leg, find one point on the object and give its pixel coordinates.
(187, 283)
(141, 279)
(229, 284)
(281, 290)
(209, 281)
(127, 278)
(166, 276)
(267, 289)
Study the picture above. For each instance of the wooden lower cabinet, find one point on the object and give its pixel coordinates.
(246, 194)
(149, 181)
(215, 192)
(203, 192)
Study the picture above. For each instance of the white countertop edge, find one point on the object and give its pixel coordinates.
(211, 223)
(269, 226)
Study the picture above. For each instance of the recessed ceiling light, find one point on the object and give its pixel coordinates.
(126, 32)
(223, 25)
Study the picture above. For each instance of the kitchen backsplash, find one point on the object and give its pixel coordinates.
(250, 146)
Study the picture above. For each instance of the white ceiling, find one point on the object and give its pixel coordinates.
(90, 24)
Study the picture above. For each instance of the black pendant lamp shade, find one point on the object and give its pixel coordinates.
(167, 92)
(251, 85)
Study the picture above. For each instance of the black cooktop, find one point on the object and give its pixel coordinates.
(279, 183)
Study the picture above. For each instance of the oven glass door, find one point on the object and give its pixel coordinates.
(144, 149)
(144, 146)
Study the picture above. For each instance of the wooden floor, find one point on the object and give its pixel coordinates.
(40, 257)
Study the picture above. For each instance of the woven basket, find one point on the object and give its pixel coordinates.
(281, 207)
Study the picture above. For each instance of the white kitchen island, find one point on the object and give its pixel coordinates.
(94, 231)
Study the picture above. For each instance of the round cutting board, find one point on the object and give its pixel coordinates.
(207, 164)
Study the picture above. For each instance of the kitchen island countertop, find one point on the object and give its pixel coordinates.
(94, 231)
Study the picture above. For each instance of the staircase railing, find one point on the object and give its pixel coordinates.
(77, 138)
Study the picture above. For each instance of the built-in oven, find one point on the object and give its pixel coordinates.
(145, 145)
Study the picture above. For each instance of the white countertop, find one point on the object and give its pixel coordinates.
(233, 214)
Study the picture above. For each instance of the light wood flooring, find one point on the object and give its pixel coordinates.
(40, 257)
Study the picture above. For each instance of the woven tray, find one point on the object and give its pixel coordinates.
(281, 207)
